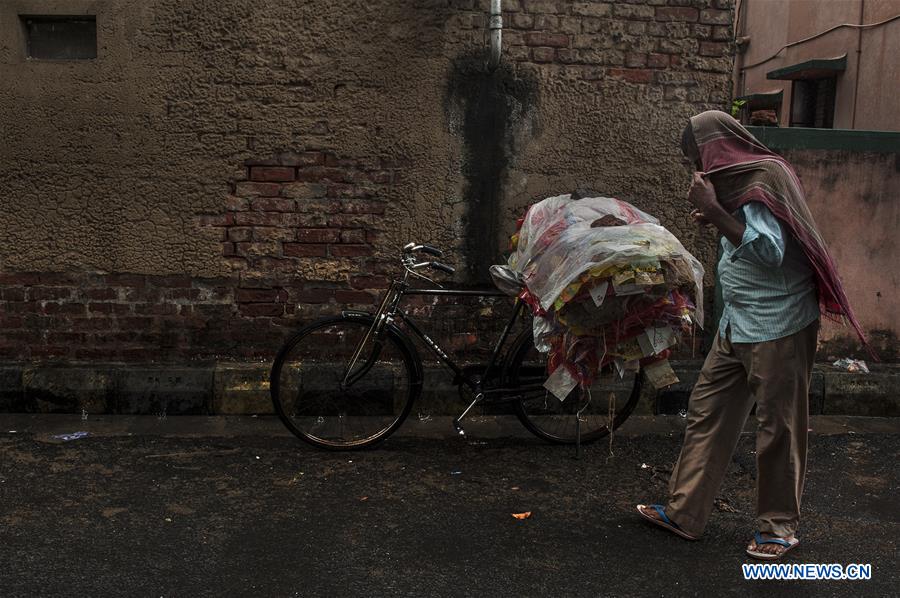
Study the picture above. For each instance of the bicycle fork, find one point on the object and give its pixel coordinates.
(382, 317)
(477, 389)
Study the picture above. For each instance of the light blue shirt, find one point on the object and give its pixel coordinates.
(768, 286)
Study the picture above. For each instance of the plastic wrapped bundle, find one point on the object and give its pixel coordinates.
(606, 283)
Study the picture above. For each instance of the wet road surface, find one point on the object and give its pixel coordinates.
(264, 515)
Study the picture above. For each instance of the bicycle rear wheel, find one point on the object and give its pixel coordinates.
(323, 403)
(604, 406)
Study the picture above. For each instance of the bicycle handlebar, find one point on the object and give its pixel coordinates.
(411, 264)
(442, 267)
(413, 247)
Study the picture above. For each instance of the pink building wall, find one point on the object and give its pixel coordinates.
(853, 195)
(867, 91)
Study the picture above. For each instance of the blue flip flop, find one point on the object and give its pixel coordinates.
(764, 556)
(665, 522)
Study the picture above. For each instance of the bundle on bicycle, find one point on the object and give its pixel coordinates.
(349, 381)
(608, 287)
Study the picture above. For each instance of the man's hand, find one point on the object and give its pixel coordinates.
(699, 218)
(702, 194)
(709, 211)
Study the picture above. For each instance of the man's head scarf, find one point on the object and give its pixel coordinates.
(743, 170)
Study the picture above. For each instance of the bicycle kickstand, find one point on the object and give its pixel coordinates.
(577, 437)
(457, 423)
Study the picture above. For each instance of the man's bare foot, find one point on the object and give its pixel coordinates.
(650, 512)
(773, 549)
(656, 515)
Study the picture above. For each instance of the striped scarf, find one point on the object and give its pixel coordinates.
(743, 170)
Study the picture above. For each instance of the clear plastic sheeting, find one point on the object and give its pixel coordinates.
(563, 239)
(606, 284)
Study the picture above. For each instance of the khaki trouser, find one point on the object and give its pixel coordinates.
(775, 375)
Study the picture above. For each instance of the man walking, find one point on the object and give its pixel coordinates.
(775, 273)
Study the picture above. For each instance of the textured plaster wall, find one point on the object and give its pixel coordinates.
(106, 162)
(119, 165)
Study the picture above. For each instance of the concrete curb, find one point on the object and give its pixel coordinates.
(228, 388)
(47, 427)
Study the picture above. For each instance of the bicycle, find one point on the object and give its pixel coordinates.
(349, 381)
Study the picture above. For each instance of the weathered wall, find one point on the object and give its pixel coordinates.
(854, 199)
(877, 100)
(225, 169)
(852, 184)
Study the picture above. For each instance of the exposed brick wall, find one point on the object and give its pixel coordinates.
(640, 41)
(126, 317)
(291, 220)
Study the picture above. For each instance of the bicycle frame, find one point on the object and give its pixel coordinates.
(389, 310)
(440, 353)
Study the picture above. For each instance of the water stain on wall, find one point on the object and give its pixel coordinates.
(495, 113)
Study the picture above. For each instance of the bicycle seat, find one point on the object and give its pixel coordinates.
(507, 280)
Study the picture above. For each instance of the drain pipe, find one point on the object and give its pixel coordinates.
(496, 27)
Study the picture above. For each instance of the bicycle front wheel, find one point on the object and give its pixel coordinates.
(601, 408)
(330, 400)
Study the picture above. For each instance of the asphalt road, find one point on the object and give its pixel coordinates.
(263, 515)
